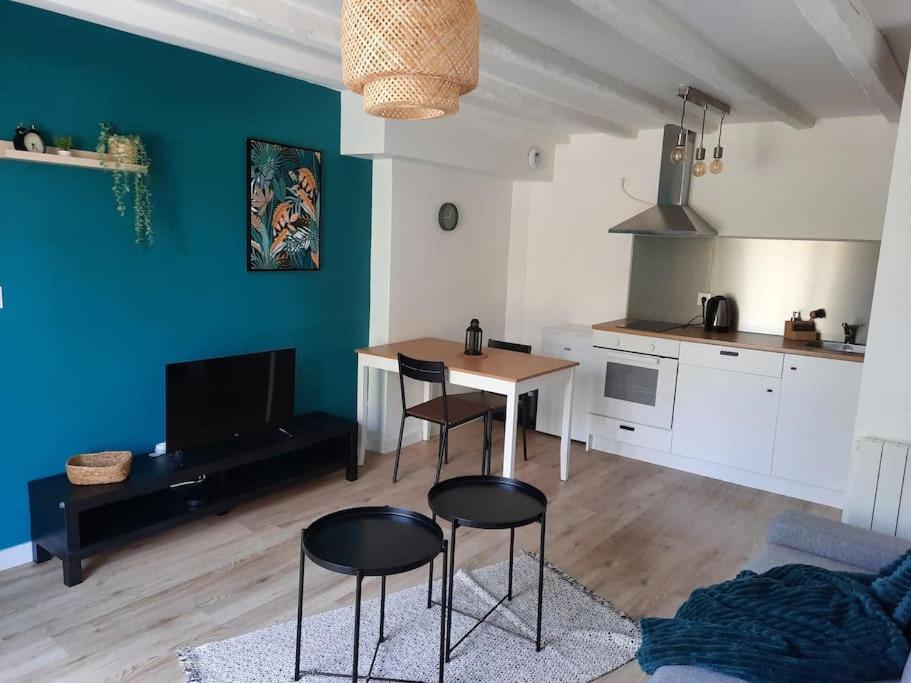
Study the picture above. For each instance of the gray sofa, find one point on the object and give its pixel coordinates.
(800, 538)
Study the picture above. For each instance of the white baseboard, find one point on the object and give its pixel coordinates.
(763, 482)
(15, 555)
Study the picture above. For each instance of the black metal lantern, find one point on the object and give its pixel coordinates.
(474, 338)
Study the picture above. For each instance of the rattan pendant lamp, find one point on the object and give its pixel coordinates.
(410, 59)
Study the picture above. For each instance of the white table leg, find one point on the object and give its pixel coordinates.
(425, 424)
(509, 438)
(565, 440)
(363, 378)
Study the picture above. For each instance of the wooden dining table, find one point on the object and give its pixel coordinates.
(508, 373)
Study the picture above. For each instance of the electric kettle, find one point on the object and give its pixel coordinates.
(718, 314)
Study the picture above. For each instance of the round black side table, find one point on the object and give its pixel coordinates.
(370, 541)
(486, 502)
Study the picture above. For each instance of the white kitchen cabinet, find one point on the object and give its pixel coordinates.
(572, 342)
(726, 417)
(815, 432)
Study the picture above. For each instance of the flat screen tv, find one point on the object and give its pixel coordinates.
(211, 401)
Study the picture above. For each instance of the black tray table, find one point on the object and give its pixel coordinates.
(370, 541)
(487, 502)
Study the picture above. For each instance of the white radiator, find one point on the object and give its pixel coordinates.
(879, 495)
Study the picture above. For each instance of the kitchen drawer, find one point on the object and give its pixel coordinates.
(631, 433)
(655, 346)
(763, 363)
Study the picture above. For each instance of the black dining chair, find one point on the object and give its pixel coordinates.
(496, 403)
(445, 411)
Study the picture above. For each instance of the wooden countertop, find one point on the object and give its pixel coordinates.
(744, 340)
(497, 363)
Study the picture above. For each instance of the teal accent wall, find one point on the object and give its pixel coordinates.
(89, 318)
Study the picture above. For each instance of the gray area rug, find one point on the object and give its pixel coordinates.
(585, 637)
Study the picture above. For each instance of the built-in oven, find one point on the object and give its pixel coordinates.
(636, 378)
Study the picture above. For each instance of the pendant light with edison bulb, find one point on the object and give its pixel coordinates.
(678, 154)
(699, 166)
(717, 165)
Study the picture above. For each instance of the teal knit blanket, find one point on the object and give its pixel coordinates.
(792, 623)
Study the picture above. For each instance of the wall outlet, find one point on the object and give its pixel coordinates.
(703, 296)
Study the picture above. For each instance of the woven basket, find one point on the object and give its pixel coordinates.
(410, 59)
(106, 467)
(121, 148)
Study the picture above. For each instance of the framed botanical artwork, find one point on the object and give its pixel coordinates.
(283, 207)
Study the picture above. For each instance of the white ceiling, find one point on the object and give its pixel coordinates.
(589, 65)
(893, 18)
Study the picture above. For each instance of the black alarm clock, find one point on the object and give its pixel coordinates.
(29, 140)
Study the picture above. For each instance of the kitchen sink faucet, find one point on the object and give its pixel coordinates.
(850, 332)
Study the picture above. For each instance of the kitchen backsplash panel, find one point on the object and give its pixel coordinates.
(768, 280)
(666, 275)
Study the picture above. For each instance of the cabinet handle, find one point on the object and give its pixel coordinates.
(793, 367)
(729, 353)
(769, 391)
(567, 348)
(627, 428)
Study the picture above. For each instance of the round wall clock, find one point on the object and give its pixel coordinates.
(448, 216)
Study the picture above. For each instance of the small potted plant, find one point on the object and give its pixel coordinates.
(119, 153)
(64, 145)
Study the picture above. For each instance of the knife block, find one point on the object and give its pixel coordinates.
(806, 330)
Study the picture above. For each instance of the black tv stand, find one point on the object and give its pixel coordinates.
(75, 522)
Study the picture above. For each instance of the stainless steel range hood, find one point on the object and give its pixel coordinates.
(672, 216)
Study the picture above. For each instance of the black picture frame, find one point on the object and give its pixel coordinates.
(284, 207)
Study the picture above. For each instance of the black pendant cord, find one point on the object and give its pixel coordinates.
(705, 111)
(718, 146)
(683, 113)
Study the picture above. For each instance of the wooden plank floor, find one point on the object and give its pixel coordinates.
(642, 536)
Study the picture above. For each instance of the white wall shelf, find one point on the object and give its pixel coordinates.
(80, 158)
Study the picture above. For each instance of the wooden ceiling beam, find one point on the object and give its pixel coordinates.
(506, 97)
(657, 30)
(848, 29)
(300, 25)
(311, 29)
(179, 25)
(507, 44)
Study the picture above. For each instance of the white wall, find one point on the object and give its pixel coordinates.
(471, 140)
(430, 283)
(828, 182)
(570, 269)
(440, 280)
(885, 397)
(884, 408)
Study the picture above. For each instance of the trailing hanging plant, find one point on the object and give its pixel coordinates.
(118, 151)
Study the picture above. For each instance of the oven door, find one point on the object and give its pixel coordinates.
(634, 387)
